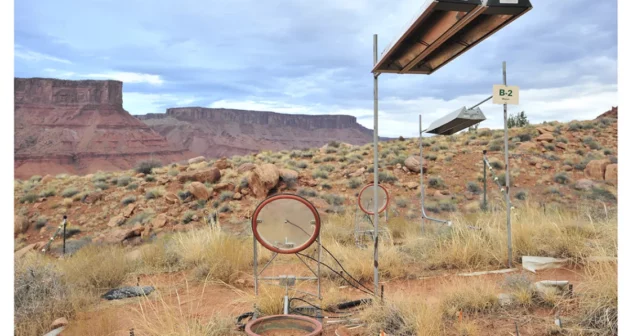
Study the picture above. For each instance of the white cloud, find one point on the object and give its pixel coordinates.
(34, 56)
(128, 77)
(401, 117)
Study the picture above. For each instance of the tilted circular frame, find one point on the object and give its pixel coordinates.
(372, 212)
(308, 204)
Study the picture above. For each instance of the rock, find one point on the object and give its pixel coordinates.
(358, 172)
(20, 225)
(546, 286)
(222, 163)
(245, 191)
(237, 196)
(541, 130)
(288, 174)
(567, 168)
(439, 195)
(412, 185)
(59, 322)
(262, 179)
(610, 174)
(527, 146)
(172, 198)
(127, 292)
(129, 210)
(118, 235)
(469, 195)
(118, 220)
(198, 190)
(405, 169)
(211, 175)
(561, 145)
(35, 247)
(545, 137)
(159, 221)
(93, 197)
(248, 166)
(140, 175)
(596, 169)
(47, 178)
(197, 159)
(412, 163)
(398, 166)
(505, 299)
(223, 186)
(319, 203)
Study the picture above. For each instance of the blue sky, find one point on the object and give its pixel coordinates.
(315, 57)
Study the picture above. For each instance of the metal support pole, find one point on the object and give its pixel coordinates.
(485, 183)
(376, 168)
(421, 174)
(64, 234)
(256, 275)
(319, 266)
(508, 224)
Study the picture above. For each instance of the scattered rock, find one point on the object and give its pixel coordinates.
(543, 287)
(199, 190)
(567, 168)
(222, 163)
(211, 175)
(319, 203)
(127, 292)
(35, 247)
(223, 186)
(610, 174)
(262, 179)
(237, 196)
(412, 185)
(248, 166)
(288, 174)
(197, 159)
(59, 322)
(245, 191)
(469, 195)
(20, 225)
(118, 235)
(596, 169)
(561, 145)
(118, 220)
(358, 172)
(47, 178)
(527, 146)
(159, 221)
(140, 175)
(129, 209)
(93, 197)
(171, 198)
(412, 163)
(546, 137)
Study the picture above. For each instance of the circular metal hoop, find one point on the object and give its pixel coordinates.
(277, 322)
(295, 198)
(382, 207)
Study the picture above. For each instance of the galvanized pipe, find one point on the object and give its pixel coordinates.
(376, 168)
(508, 224)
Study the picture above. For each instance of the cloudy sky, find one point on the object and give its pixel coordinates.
(315, 57)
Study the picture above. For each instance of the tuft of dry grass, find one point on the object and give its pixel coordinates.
(404, 315)
(96, 268)
(599, 305)
(469, 296)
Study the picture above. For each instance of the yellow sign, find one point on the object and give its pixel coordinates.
(503, 94)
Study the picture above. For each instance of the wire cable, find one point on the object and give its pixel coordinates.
(369, 292)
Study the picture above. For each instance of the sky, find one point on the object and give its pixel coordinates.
(316, 57)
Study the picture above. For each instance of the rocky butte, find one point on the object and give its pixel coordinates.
(79, 127)
(216, 132)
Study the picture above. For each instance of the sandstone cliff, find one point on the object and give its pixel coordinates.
(65, 126)
(226, 132)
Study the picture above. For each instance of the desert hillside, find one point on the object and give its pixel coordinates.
(182, 231)
(216, 133)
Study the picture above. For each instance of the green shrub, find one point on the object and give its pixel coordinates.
(436, 182)
(326, 186)
(385, 177)
(172, 172)
(101, 185)
(69, 192)
(128, 199)
(320, 174)
(473, 187)
(333, 199)
(226, 196)
(41, 222)
(132, 186)
(334, 144)
(521, 195)
(327, 168)
(561, 178)
(123, 181)
(496, 164)
(187, 216)
(48, 193)
(353, 184)
(329, 158)
(29, 198)
(402, 202)
(306, 192)
(145, 167)
(150, 178)
(225, 208)
(153, 193)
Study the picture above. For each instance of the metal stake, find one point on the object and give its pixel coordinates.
(485, 202)
(64, 234)
(508, 224)
(421, 174)
(376, 168)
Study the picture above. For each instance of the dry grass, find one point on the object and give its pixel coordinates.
(168, 315)
(404, 315)
(358, 262)
(469, 296)
(214, 254)
(102, 325)
(599, 307)
(96, 268)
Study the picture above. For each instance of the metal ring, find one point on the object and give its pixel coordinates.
(384, 205)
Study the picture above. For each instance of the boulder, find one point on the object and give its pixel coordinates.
(412, 163)
(198, 190)
(197, 159)
(245, 167)
(584, 184)
(527, 146)
(596, 169)
(288, 174)
(35, 247)
(171, 198)
(159, 221)
(223, 186)
(93, 197)
(237, 196)
(47, 178)
(411, 185)
(211, 175)
(262, 179)
(118, 235)
(319, 203)
(222, 163)
(610, 174)
(20, 225)
(561, 145)
(546, 137)
(118, 220)
(129, 210)
(567, 168)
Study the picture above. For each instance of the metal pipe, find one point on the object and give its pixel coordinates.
(287, 277)
(376, 169)
(256, 276)
(318, 266)
(421, 177)
(64, 234)
(485, 181)
(483, 101)
(508, 224)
